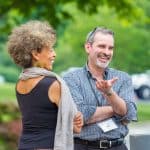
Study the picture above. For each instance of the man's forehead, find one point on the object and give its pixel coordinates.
(100, 37)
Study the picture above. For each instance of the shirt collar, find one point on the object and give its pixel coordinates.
(90, 74)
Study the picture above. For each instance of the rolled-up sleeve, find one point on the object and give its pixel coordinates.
(126, 92)
(75, 86)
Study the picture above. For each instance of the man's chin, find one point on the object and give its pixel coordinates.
(102, 65)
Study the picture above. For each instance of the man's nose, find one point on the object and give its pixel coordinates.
(107, 51)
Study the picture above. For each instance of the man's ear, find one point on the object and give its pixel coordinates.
(35, 55)
(87, 47)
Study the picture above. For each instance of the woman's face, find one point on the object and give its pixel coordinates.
(45, 58)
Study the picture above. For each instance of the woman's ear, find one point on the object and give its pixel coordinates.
(35, 55)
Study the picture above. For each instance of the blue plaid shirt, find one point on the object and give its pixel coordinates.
(88, 97)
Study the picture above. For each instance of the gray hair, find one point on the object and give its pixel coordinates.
(91, 34)
(33, 35)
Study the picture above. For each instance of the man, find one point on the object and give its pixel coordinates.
(104, 96)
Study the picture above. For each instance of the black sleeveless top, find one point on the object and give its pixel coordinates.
(39, 116)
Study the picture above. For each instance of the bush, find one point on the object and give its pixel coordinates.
(7, 91)
(10, 125)
(10, 74)
(8, 111)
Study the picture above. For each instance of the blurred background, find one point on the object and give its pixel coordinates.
(130, 20)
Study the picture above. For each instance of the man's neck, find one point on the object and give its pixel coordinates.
(97, 72)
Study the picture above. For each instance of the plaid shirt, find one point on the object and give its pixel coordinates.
(88, 97)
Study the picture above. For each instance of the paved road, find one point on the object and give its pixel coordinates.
(138, 128)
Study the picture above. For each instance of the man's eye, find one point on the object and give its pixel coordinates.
(111, 48)
(101, 46)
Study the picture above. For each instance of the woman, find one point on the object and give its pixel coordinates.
(44, 100)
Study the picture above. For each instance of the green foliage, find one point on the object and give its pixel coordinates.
(8, 111)
(7, 68)
(4, 144)
(7, 91)
(131, 49)
(9, 125)
(5, 58)
(10, 73)
(15, 11)
(9, 114)
(130, 21)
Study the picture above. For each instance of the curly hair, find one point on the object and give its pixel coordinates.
(33, 35)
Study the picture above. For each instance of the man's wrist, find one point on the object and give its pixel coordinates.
(109, 92)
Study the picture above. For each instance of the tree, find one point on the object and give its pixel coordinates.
(80, 17)
(131, 51)
(15, 11)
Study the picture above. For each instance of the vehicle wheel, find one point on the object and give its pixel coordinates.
(144, 92)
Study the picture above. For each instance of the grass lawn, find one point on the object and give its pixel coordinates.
(143, 111)
(7, 92)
